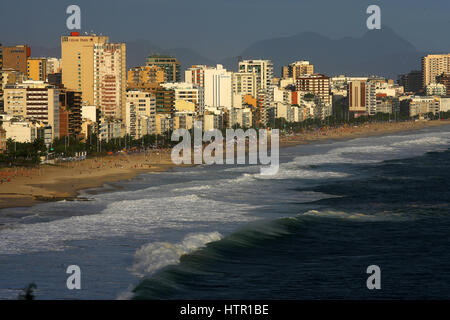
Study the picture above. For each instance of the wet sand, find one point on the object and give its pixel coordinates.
(25, 187)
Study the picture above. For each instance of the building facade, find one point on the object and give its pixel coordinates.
(16, 58)
(37, 69)
(434, 65)
(169, 64)
(34, 100)
(110, 79)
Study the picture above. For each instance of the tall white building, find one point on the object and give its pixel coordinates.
(218, 87)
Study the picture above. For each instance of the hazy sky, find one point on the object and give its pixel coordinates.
(222, 28)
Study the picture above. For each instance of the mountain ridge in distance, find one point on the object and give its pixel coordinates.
(376, 52)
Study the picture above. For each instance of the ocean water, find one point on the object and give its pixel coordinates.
(226, 232)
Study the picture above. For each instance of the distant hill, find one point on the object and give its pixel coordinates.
(137, 52)
(377, 52)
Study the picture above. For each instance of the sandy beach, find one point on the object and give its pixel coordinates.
(28, 186)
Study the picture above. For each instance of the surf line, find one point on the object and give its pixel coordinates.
(257, 143)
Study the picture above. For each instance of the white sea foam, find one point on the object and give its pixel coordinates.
(154, 256)
(355, 216)
(425, 141)
(303, 174)
(120, 218)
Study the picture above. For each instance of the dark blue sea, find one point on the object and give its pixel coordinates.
(227, 232)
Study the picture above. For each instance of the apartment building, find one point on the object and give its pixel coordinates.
(434, 65)
(169, 64)
(34, 100)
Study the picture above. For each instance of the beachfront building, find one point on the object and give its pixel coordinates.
(140, 116)
(433, 65)
(34, 100)
(317, 84)
(444, 104)
(96, 68)
(70, 113)
(110, 128)
(420, 106)
(77, 62)
(356, 94)
(164, 123)
(110, 79)
(19, 129)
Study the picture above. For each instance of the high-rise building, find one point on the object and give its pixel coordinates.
(262, 68)
(34, 100)
(37, 69)
(196, 75)
(245, 83)
(139, 77)
(412, 82)
(140, 113)
(264, 76)
(297, 69)
(97, 69)
(169, 64)
(16, 58)
(356, 94)
(218, 87)
(110, 79)
(70, 103)
(77, 62)
(434, 65)
(317, 84)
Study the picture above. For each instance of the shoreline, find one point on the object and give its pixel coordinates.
(27, 187)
